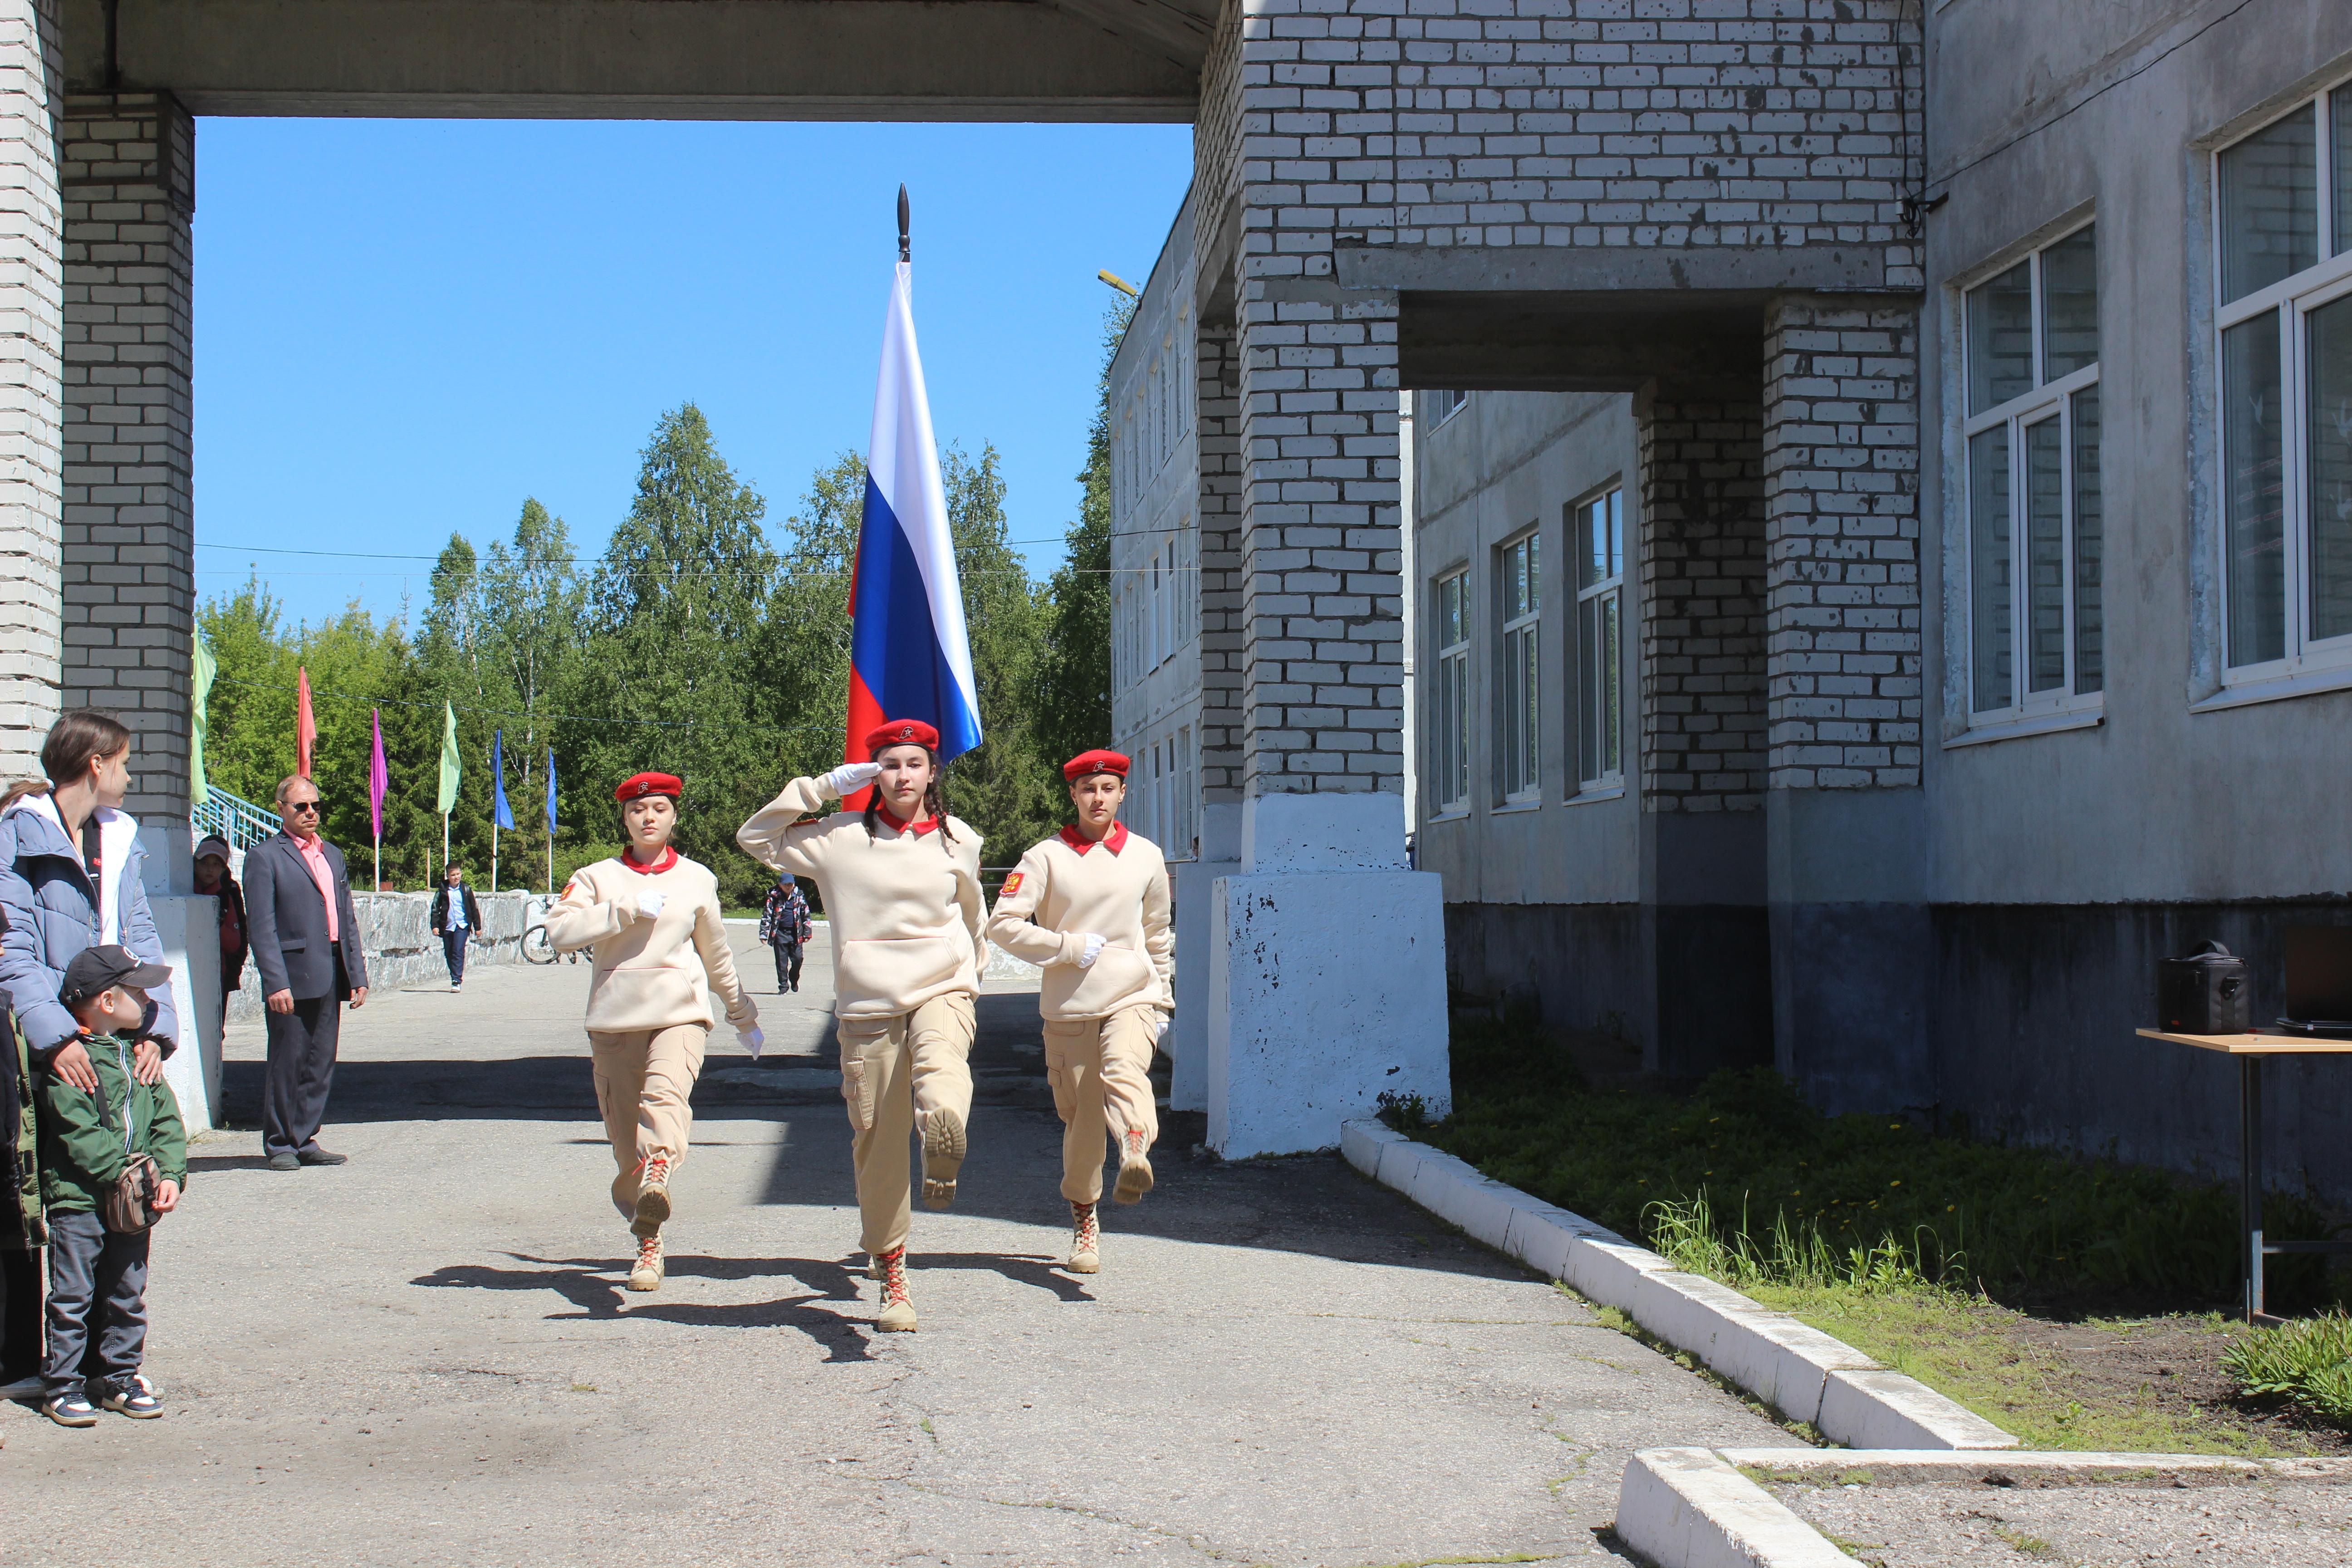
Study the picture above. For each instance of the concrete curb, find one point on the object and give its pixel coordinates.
(1801, 1371)
(1687, 1507)
(1693, 1507)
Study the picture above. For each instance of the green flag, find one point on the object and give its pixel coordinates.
(448, 759)
(201, 672)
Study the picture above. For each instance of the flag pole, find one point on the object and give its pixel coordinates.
(494, 854)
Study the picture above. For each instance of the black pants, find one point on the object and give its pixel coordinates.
(453, 948)
(20, 1313)
(787, 966)
(98, 1289)
(302, 1067)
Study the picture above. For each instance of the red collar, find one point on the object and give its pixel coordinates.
(927, 825)
(668, 859)
(1116, 837)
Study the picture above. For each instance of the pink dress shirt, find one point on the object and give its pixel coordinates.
(314, 855)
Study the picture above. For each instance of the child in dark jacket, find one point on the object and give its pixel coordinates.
(98, 1278)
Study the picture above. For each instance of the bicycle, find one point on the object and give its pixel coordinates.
(538, 947)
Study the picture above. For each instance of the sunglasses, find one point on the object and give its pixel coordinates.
(309, 806)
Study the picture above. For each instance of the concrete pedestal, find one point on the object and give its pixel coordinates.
(1195, 889)
(1327, 975)
(189, 928)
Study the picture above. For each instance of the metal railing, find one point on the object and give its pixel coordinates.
(239, 821)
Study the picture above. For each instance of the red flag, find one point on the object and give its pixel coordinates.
(306, 727)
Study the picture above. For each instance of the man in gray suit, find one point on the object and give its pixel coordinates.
(308, 948)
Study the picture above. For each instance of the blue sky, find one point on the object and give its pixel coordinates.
(405, 327)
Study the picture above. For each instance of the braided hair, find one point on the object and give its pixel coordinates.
(934, 801)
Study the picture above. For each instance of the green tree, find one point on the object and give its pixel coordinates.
(1071, 697)
(676, 608)
(532, 599)
(1002, 786)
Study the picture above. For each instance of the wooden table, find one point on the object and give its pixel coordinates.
(2250, 1050)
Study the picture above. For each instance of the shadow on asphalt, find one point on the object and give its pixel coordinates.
(592, 1286)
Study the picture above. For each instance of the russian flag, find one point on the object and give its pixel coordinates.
(909, 656)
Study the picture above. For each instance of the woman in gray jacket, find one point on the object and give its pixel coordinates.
(69, 860)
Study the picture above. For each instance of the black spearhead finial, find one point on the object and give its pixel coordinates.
(906, 252)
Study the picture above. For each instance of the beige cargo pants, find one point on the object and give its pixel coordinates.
(894, 1069)
(644, 1089)
(1101, 1072)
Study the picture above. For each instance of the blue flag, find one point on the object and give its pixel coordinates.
(499, 812)
(550, 792)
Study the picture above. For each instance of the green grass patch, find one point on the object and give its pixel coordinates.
(1984, 1356)
(1789, 1193)
(2308, 1362)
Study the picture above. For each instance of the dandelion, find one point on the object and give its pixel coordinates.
(1895, 1183)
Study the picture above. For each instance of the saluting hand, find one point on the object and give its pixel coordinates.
(850, 777)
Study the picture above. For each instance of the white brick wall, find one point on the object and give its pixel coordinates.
(128, 171)
(31, 344)
(1590, 125)
(1702, 633)
(1841, 474)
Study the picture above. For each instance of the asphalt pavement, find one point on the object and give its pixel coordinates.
(426, 1356)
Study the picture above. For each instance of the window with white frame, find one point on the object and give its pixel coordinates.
(1599, 530)
(1437, 408)
(1449, 718)
(1519, 692)
(2036, 539)
(1184, 829)
(2283, 219)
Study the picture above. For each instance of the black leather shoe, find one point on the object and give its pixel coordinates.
(320, 1157)
(284, 1162)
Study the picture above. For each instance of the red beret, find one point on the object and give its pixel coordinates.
(1086, 763)
(901, 732)
(640, 784)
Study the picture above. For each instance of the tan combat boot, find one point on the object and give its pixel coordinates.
(653, 1194)
(1085, 1239)
(1134, 1169)
(944, 1146)
(645, 1274)
(897, 1316)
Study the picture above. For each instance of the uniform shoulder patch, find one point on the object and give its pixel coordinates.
(1012, 886)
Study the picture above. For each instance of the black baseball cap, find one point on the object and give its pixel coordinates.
(98, 970)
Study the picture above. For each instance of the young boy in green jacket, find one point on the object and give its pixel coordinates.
(98, 1278)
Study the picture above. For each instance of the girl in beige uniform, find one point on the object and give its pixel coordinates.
(1089, 906)
(901, 887)
(653, 920)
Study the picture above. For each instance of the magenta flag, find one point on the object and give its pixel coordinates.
(379, 781)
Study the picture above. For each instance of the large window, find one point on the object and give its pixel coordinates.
(2283, 218)
(1449, 718)
(2036, 539)
(1599, 530)
(1517, 733)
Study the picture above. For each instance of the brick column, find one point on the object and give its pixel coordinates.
(1845, 816)
(1322, 917)
(1702, 569)
(1841, 468)
(127, 171)
(1217, 430)
(1706, 941)
(32, 335)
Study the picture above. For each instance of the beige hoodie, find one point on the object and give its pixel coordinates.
(650, 973)
(905, 906)
(1117, 890)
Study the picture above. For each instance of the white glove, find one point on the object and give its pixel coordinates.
(649, 904)
(753, 1040)
(849, 777)
(1090, 952)
(1160, 1028)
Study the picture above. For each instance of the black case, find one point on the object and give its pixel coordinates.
(2206, 993)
